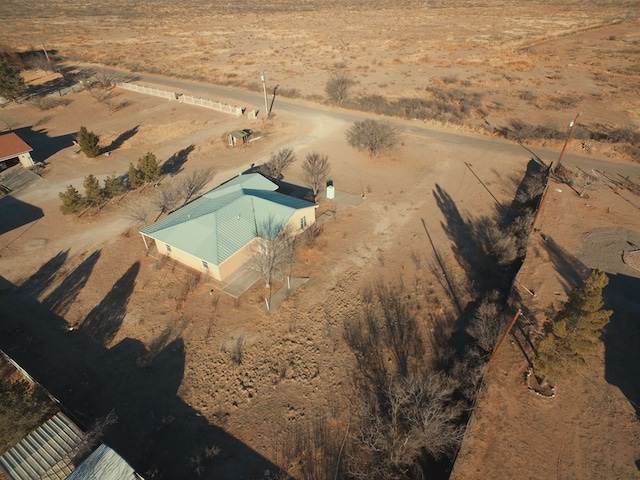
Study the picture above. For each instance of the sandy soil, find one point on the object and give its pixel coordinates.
(154, 343)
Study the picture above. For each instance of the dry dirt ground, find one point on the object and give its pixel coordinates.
(154, 343)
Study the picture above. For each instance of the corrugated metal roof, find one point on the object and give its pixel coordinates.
(222, 221)
(103, 464)
(43, 453)
(11, 145)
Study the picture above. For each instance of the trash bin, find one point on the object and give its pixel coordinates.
(331, 192)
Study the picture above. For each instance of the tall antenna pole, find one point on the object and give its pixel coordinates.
(264, 88)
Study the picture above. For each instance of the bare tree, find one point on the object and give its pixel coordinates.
(272, 252)
(420, 421)
(278, 162)
(92, 437)
(193, 183)
(373, 136)
(486, 325)
(105, 79)
(338, 85)
(138, 211)
(584, 181)
(316, 171)
(167, 196)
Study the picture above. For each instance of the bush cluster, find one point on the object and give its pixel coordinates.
(148, 170)
(444, 105)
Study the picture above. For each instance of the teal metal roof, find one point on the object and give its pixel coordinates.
(225, 219)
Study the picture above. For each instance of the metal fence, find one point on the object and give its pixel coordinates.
(148, 90)
(203, 102)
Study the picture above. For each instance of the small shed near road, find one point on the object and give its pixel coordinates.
(239, 137)
(12, 147)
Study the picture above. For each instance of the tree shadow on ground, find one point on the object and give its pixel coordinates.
(43, 145)
(160, 435)
(104, 321)
(120, 139)
(622, 336)
(571, 270)
(50, 87)
(44, 276)
(173, 165)
(15, 213)
(482, 272)
(63, 296)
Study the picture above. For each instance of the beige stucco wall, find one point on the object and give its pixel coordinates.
(235, 261)
(26, 160)
(294, 221)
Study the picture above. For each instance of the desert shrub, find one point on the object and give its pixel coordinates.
(531, 189)
(290, 92)
(88, 142)
(564, 101)
(72, 201)
(486, 325)
(338, 85)
(528, 96)
(311, 234)
(44, 103)
(373, 136)
(624, 135)
(520, 131)
(499, 243)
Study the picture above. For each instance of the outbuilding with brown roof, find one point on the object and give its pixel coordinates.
(11, 147)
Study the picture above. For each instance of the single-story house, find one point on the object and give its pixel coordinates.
(13, 147)
(214, 233)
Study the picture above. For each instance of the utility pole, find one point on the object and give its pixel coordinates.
(264, 88)
(571, 125)
(45, 53)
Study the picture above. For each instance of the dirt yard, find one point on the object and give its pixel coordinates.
(159, 345)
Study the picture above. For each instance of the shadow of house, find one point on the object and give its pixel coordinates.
(291, 189)
(15, 213)
(43, 145)
(173, 165)
(622, 336)
(157, 432)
